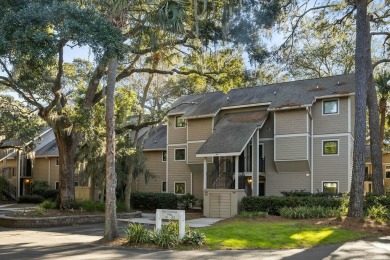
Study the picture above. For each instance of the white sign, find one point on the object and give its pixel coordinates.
(171, 215)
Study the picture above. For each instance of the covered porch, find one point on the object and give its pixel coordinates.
(238, 163)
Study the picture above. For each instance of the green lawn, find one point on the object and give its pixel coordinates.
(281, 235)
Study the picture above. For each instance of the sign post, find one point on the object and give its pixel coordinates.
(171, 215)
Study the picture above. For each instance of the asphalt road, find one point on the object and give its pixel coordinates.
(77, 242)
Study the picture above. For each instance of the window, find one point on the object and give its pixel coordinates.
(57, 185)
(330, 107)
(57, 161)
(180, 154)
(180, 188)
(164, 186)
(164, 156)
(387, 171)
(330, 187)
(330, 147)
(180, 122)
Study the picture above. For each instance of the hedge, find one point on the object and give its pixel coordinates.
(31, 199)
(47, 194)
(273, 204)
(152, 201)
(373, 201)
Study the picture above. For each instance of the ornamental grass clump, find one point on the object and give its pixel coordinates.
(308, 212)
(166, 237)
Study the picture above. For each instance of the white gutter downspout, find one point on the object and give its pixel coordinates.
(311, 159)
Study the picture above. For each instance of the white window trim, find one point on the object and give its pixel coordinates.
(162, 156)
(329, 100)
(331, 140)
(180, 127)
(185, 154)
(386, 165)
(174, 187)
(338, 186)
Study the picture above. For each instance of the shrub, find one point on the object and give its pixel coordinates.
(188, 200)
(248, 214)
(48, 204)
(308, 212)
(39, 185)
(303, 193)
(91, 206)
(47, 194)
(152, 201)
(31, 199)
(193, 237)
(137, 233)
(374, 201)
(273, 204)
(378, 213)
(168, 236)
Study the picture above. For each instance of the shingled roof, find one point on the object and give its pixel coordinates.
(232, 134)
(286, 95)
(155, 138)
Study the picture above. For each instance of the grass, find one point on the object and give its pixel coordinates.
(281, 235)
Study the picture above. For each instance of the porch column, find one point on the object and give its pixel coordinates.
(204, 173)
(255, 164)
(236, 172)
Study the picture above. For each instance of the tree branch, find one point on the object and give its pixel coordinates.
(380, 62)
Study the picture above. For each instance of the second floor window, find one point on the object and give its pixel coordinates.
(330, 107)
(387, 171)
(180, 122)
(180, 154)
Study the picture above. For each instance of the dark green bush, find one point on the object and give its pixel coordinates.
(152, 201)
(273, 204)
(31, 199)
(371, 200)
(309, 212)
(304, 193)
(47, 194)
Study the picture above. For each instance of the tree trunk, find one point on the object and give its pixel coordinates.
(375, 137)
(382, 112)
(67, 147)
(362, 54)
(111, 228)
(128, 188)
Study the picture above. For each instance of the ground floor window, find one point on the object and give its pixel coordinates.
(180, 188)
(330, 187)
(387, 171)
(164, 186)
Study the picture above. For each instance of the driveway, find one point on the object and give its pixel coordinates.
(76, 242)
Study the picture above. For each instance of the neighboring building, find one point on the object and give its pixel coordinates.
(257, 141)
(368, 171)
(21, 169)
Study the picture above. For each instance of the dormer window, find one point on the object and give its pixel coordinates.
(330, 107)
(180, 122)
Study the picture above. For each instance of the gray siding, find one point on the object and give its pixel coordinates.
(199, 129)
(197, 185)
(293, 166)
(267, 131)
(154, 164)
(176, 135)
(331, 167)
(291, 122)
(291, 148)
(178, 171)
(330, 124)
(269, 156)
(275, 183)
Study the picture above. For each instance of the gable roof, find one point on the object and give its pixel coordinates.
(232, 133)
(49, 150)
(286, 95)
